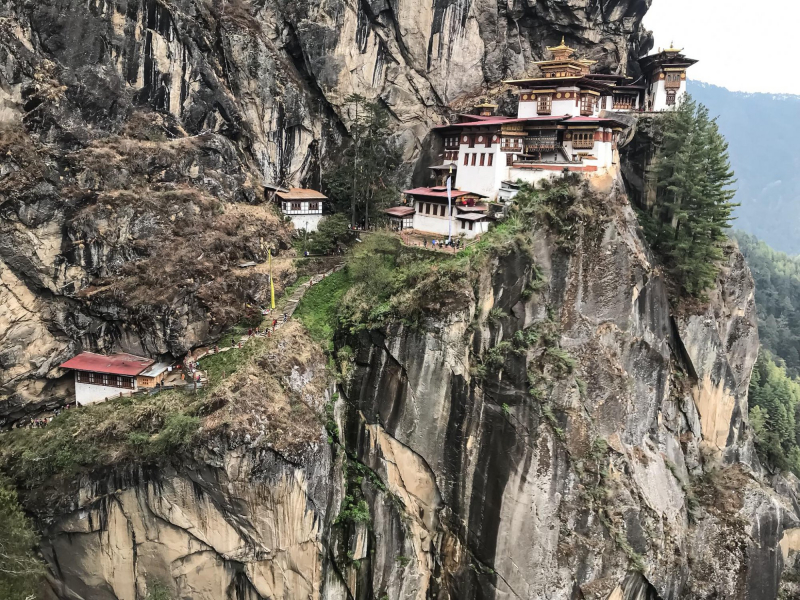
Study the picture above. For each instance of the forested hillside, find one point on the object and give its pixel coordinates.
(762, 131)
(774, 389)
(777, 277)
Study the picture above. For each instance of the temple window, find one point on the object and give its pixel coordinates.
(313, 206)
(670, 98)
(474, 158)
(491, 159)
(483, 159)
(587, 104)
(583, 140)
(466, 159)
(295, 206)
(673, 80)
(543, 104)
(623, 102)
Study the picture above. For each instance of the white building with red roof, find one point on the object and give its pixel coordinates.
(99, 377)
(302, 206)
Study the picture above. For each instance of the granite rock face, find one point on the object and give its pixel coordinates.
(550, 438)
(632, 477)
(611, 462)
(107, 105)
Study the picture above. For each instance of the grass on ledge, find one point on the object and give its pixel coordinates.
(318, 308)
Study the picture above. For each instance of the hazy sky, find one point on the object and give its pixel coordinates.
(742, 45)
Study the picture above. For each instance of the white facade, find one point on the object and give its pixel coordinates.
(89, 393)
(487, 178)
(564, 101)
(305, 214)
(309, 222)
(447, 224)
(658, 93)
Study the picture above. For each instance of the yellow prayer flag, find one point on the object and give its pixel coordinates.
(271, 283)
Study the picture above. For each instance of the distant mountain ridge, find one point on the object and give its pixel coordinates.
(763, 131)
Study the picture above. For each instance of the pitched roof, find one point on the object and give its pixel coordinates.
(473, 208)
(115, 364)
(400, 211)
(301, 194)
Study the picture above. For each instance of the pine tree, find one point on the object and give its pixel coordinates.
(687, 225)
(366, 177)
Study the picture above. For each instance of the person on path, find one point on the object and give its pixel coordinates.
(285, 317)
(425, 243)
(274, 324)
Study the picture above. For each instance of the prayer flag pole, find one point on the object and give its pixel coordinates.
(271, 283)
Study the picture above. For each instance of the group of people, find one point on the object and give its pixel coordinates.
(43, 421)
(454, 244)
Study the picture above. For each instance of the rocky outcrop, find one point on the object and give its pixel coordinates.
(238, 524)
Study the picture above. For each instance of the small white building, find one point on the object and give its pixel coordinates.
(400, 218)
(99, 377)
(303, 206)
(466, 214)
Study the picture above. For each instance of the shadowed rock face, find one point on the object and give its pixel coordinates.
(579, 465)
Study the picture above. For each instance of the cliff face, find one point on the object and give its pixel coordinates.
(565, 434)
(128, 127)
(611, 469)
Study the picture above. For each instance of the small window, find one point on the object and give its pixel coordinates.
(587, 104)
(466, 159)
(295, 206)
(313, 206)
(483, 159)
(474, 158)
(544, 104)
(442, 210)
(427, 209)
(470, 225)
(463, 224)
(491, 159)
(670, 98)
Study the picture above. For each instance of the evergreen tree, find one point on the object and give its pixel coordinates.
(20, 571)
(366, 178)
(777, 278)
(775, 414)
(687, 225)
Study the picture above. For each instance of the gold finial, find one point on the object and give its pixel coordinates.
(562, 40)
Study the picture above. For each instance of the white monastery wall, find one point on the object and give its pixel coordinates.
(86, 393)
(308, 222)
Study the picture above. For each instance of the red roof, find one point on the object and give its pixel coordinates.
(400, 211)
(116, 364)
(440, 193)
(301, 194)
